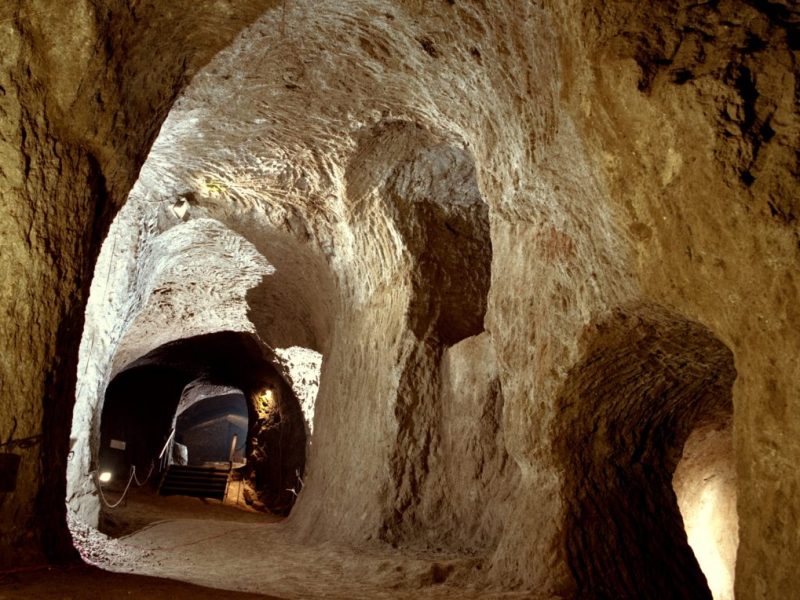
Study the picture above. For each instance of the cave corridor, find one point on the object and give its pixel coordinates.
(413, 299)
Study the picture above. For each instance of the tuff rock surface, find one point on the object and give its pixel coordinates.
(537, 244)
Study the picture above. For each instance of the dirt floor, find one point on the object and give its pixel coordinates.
(85, 582)
(141, 508)
(188, 546)
(144, 506)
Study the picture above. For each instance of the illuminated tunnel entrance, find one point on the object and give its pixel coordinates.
(211, 426)
(209, 401)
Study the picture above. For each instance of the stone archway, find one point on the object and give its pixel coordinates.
(647, 380)
(144, 400)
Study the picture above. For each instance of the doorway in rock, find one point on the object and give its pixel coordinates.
(205, 417)
(644, 433)
(210, 430)
(138, 410)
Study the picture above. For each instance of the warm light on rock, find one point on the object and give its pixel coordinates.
(478, 298)
(266, 403)
(705, 484)
(705, 530)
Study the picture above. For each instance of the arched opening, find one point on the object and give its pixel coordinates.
(137, 417)
(211, 426)
(208, 417)
(652, 386)
(705, 485)
(415, 265)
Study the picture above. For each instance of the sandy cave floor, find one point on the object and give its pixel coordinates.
(169, 547)
(144, 507)
(86, 582)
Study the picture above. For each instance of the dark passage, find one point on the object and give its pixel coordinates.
(212, 402)
(212, 430)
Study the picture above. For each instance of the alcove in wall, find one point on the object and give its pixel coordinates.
(653, 387)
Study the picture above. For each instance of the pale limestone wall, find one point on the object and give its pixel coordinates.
(78, 116)
(691, 116)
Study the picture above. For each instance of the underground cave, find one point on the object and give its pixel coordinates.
(206, 416)
(369, 299)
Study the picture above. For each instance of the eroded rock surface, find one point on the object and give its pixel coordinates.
(456, 200)
(647, 381)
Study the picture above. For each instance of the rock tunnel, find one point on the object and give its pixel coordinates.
(473, 299)
(184, 388)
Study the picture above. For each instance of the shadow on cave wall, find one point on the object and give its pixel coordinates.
(647, 380)
(425, 186)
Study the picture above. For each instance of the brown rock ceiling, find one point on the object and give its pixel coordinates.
(554, 238)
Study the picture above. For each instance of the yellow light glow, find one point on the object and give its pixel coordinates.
(211, 187)
(705, 530)
(266, 403)
(705, 486)
(105, 476)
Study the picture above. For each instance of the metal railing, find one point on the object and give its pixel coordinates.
(163, 457)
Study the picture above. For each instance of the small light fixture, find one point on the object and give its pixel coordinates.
(105, 476)
(266, 402)
(181, 209)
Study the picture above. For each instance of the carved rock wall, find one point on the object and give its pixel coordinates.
(418, 173)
